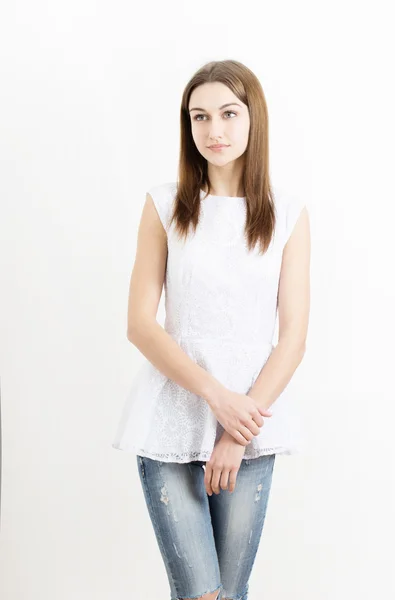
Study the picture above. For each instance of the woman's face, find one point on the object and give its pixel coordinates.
(214, 123)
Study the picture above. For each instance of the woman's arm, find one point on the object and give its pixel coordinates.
(293, 311)
(143, 330)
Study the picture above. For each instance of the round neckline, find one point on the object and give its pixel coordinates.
(222, 197)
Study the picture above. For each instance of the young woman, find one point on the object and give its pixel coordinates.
(231, 251)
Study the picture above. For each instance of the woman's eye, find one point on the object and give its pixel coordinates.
(196, 118)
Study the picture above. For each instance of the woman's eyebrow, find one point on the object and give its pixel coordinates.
(220, 108)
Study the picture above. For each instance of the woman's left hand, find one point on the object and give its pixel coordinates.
(223, 465)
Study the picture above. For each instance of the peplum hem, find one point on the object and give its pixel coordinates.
(203, 455)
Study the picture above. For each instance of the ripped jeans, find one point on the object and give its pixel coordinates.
(208, 543)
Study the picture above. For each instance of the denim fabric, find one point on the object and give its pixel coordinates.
(207, 543)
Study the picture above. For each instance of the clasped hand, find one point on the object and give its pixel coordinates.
(241, 417)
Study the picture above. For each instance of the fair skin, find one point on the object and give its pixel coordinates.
(215, 123)
(240, 414)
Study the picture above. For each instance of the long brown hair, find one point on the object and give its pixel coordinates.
(192, 168)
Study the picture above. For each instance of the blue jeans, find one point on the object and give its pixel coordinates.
(208, 543)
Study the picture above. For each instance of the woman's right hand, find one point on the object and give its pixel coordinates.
(239, 414)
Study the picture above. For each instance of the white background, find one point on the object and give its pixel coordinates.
(89, 118)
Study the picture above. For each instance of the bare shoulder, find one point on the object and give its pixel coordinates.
(149, 267)
(161, 197)
(294, 284)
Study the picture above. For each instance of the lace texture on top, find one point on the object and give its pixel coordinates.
(221, 308)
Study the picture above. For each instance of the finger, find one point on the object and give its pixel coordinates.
(232, 479)
(224, 479)
(240, 439)
(215, 480)
(207, 479)
(264, 411)
(252, 426)
(245, 432)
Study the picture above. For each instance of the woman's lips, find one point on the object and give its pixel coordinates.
(216, 148)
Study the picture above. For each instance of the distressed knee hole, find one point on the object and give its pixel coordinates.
(212, 596)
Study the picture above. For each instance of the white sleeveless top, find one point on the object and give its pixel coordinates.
(221, 308)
